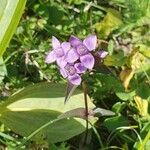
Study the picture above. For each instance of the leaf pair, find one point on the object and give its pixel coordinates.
(34, 106)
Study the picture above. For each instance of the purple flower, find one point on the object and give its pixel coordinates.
(58, 53)
(74, 57)
(82, 51)
(72, 72)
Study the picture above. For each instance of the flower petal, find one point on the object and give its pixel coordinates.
(74, 41)
(87, 61)
(66, 46)
(75, 79)
(102, 53)
(61, 62)
(63, 72)
(90, 42)
(51, 57)
(72, 56)
(80, 68)
(55, 42)
(59, 52)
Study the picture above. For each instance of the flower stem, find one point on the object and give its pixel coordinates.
(85, 98)
(86, 109)
(96, 6)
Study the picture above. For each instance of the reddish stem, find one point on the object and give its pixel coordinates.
(86, 108)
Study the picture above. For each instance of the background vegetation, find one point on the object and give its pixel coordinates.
(120, 83)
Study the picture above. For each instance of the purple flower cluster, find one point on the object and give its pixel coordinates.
(74, 57)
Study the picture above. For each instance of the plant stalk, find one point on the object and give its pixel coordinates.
(86, 109)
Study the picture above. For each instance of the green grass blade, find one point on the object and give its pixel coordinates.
(10, 14)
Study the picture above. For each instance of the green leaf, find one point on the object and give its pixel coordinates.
(145, 136)
(147, 145)
(6, 136)
(10, 14)
(143, 91)
(145, 50)
(34, 106)
(110, 47)
(103, 112)
(115, 60)
(115, 122)
(111, 21)
(55, 15)
(2, 7)
(125, 95)
(144, 145)
(118, 107)
(3, 70)
(78, 112)
(145, 129)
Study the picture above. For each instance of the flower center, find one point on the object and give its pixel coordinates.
(59, 52)
(82, 50)
(70, 69)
